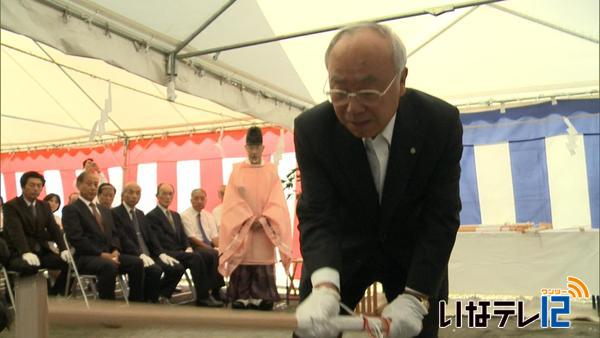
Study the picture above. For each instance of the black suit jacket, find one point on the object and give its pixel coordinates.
(23, 233)
(85, 234)
(342, 223)
(125, 225)
(171, 241)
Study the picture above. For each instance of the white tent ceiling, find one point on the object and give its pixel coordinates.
(472, 56)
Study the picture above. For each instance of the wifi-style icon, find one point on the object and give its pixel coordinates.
(577, 288)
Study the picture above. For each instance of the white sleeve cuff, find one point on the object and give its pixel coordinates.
(325, 275)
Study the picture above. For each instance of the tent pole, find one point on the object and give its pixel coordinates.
(171, 64)
(210, 20)
(436, 35)
(429, 11)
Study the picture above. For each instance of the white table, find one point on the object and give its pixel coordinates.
(510, 263)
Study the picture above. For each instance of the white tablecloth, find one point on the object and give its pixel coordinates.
(508, 263)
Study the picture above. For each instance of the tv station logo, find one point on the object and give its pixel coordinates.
(554, 302)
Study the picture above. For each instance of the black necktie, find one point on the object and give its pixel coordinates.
(138, 234)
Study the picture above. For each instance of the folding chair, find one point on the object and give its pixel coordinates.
(90, 280)
(122, 280)
(192, 289)
(86, 282)
(191, 284)
(9, 288)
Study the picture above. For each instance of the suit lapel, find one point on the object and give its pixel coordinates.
(122, 211)
(350, 152)
(404, 151)
(27, 212)
(165, 221)
(140, 218)
(86, 212)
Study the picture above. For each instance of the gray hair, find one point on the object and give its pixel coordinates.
(197, 190)
(398, 49)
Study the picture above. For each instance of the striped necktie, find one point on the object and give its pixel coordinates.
(170, 218)
(97, 216)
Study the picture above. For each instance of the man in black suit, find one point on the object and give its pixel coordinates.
(91, 231)
(132, 223)
(29, 225)
(380, 188)
(168, 228)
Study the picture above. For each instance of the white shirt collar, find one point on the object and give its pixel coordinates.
(388, 132)
(164, 210)
(85, 201)
(28, 202)
(128, 208)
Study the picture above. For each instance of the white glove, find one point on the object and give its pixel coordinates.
(315, 312)
(170, 261)
(31, 258)
(406, 313)
(64, 255)
(189, 249)
(147, 260)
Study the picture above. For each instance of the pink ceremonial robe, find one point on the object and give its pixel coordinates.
(254, 192)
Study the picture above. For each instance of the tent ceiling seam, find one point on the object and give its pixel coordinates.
(525, 100)
(442, 31)
(43, 88)
(78, 86)
(172, 105)
(114, 83)
(43, 122)
(544, 23)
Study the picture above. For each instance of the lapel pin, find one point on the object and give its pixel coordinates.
(413, 151)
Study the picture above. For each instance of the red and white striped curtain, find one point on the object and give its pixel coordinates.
(187, 162)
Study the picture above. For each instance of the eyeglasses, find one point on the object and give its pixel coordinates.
(363, 96)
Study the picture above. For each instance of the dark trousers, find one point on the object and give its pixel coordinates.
(211, 259)
(106, 273)
(357, 278)
(152, 283)
(172, 275)
(48, 260)
(200, 275)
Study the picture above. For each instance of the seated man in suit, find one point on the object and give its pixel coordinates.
(132, 224)
(28, 226)
(168, 228)
(106, 194)
(200, 227)
(91, 231)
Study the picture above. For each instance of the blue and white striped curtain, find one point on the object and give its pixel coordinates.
(523, 165)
